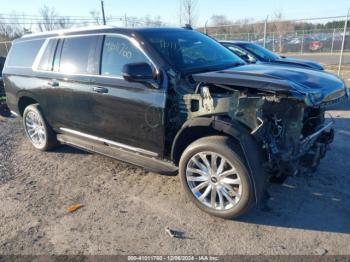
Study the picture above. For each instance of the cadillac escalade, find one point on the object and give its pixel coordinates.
(173, 101)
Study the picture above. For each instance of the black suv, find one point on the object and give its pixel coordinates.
(173, 100)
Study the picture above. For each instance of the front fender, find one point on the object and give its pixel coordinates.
(252, 150)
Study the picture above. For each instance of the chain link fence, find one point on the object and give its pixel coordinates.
(325, 40)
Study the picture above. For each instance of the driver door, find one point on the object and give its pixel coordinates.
(130, 114)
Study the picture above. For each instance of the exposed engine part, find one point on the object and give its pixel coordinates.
(276, 127)
(293, 135)
(207, 100)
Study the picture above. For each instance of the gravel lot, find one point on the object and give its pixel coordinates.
(126, 210)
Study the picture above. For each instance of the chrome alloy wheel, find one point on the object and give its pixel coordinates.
(35, 129)
(213, 180)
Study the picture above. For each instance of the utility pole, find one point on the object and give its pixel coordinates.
(265, 30)
(103, 12)
(343, 43)
(205, 27)
(125, 20)
(333, 36)
(302, 43)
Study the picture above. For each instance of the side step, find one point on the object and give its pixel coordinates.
(149, 163)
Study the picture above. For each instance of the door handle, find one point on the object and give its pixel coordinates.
(53, 83)
(100, 90)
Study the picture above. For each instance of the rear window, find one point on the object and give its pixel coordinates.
(22, 54)
(78, 55)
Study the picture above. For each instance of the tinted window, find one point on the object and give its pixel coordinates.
(78, 55)
(118, 51)
(23, 53)
(241, 53)
(188, 50)
(260, 52)
(57, 55)
(46, 62)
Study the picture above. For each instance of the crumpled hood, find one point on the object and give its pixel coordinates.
(319, 86)
(298, 62)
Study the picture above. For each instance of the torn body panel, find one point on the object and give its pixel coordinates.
(292, 134)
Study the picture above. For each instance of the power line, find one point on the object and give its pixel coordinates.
(57, 18)
(25, 15)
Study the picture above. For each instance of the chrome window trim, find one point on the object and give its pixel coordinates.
(40, 54)
(110, 142)
(132, 40)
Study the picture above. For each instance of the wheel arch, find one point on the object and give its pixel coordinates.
(25, 99)
(252, 151)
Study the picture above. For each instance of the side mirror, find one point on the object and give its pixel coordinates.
(138, 72)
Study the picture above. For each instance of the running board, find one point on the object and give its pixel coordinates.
(149, 163)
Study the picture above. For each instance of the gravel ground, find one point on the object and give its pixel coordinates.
(126, 210)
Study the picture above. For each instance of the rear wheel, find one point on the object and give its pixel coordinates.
(37, 129)
(214, 175)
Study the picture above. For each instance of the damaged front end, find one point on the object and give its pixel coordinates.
(288, 123)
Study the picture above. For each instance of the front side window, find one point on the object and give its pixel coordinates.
(260, 52)
(78, 55)
(117, 52)
(241, 53)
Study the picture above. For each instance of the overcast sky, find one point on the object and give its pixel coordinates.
(169, 10)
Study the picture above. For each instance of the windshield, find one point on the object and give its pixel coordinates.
(260, 52)
(189, 51)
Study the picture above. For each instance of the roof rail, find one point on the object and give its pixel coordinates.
(71, 30)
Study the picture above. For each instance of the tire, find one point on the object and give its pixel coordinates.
(241, 193)
(43, 137)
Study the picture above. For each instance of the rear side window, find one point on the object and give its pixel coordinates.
(23, 53)
(78, 55)
(118, 51)
(46, 62)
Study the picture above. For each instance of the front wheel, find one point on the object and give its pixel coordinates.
(37, 129)
(215, 177)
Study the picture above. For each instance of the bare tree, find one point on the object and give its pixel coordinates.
(96, 16)
(13, 28)
(220, 23)
(220, 20)
(189, 11)
(148, 21)
(51, 21)
(281, 27)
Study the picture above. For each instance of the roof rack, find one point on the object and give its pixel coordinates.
(71, 30)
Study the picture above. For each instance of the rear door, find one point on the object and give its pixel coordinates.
(68, 84)
(128, 113)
